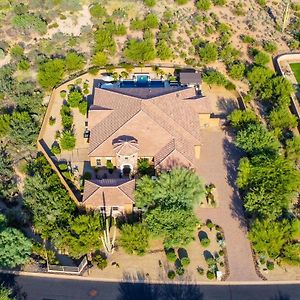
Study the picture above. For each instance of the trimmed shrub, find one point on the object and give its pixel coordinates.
(171, 274)
(205, 242)
(87, 175)
(221, 252)
(209, 224)
(200, 271)
(68, 141)
(100, 261)
(63, 94)
(180, 271)
(270, 265)
(55, 149)
(185, 261)
(210, 275)
(63, 167)
(171, 255)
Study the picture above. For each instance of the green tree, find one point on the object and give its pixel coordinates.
(23, 129)
(293, 148)
(240, 119)
(180, 188)
(271, 185)
(229, 54)
(291, 254)
(255, 139)
(244, 173)
(104, 41)
(269, 236)
(237, 71)
(208, 53)
(164, 52)
(98, 11)
(134, 239)
(67, 141)
(261, 58)
(74, 98)
(258, 76)
(4, 125)
(50, 73)
(100, 59)
(144, 192)
(282, 118)
(15, 248)
(139, 50)
(8, 185)
(47, 199)
(176, 226)
(82, 236)
(74, 61)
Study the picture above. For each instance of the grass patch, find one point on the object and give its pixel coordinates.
(296, 70)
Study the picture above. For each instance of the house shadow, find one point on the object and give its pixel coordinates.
(136, 287)
(281, 296)
(9, 281)
(232, 156)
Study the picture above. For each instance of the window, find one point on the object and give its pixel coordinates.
(108, 161)
(102, 208)
(115, 208)
(98, 162)
(126, 157)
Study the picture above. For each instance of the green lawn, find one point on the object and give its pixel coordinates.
(296, 70)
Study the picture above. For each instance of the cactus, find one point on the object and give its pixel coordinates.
(109, 243)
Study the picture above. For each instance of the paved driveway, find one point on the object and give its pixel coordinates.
(219, 159)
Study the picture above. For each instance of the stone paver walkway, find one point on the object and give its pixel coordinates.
(219, 159)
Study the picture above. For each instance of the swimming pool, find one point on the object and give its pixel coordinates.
(142, 83)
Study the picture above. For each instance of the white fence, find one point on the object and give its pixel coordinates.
(67, 269)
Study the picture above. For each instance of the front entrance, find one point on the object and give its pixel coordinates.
(126, 170)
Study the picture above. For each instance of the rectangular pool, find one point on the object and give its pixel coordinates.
(142, 82)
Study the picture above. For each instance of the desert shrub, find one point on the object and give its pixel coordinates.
(247, 39)
(185, 261)
(181, 2)
(68, 141)
(270, 46)
(270, 265)
(209, 224)
(171, 255)
(210, 275)
(200, 271)
(98, 11)
(100, 261)
(150, 3)
(63, 167)
(55, 149)
(180, 271)
(171, 274)
(203, 4)
(52, 120)
(83, 105)
(23, 64)
(205, 242)
(222, 264)
(63, 94)
(74, 98)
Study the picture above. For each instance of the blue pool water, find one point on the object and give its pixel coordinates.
(141, 82)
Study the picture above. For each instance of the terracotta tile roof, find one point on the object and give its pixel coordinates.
(111, 192)
(175, 113)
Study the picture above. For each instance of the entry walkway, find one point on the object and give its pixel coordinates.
(219, 159)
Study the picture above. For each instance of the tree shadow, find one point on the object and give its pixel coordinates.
(232, 156)
(227, 106)
(9, 281)
(207, 255)
(135, 287)
(182, 253)
(281, 296)
(202, 235)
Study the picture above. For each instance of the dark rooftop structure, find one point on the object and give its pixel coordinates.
(189, 78)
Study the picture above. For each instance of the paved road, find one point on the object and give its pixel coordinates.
(37, 288)
(219, 159)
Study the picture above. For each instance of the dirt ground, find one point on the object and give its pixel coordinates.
(147, 267)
